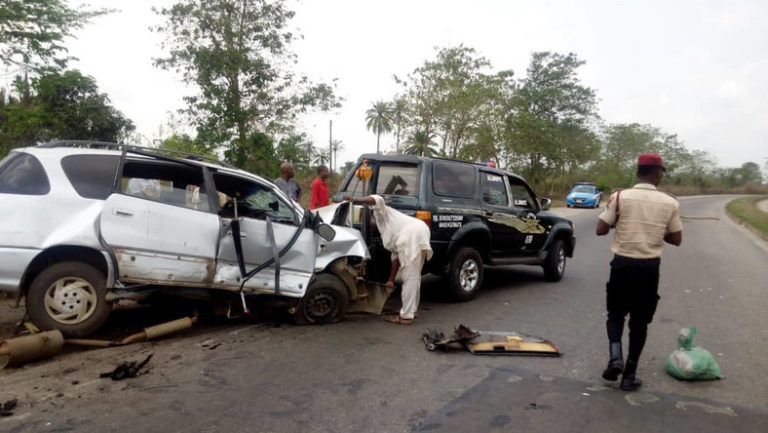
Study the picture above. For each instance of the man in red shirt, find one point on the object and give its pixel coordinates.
(320, 189)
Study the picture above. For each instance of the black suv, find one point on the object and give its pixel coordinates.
(478, 216)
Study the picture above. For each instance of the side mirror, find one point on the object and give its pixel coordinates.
(546, 204)
(326, 232)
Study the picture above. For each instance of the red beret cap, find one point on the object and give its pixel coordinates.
(650, 159)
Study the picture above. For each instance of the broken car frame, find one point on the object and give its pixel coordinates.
(87, 240)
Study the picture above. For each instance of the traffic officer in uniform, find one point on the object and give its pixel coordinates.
(644, 218)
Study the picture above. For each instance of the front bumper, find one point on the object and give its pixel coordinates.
(580, 202)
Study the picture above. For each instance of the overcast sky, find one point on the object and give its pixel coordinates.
(696, 68)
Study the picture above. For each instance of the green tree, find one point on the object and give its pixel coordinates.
(295, 149)
(580, 148)
(346, 167)
(749, 172)
(65, 105)
(399, 117)
(72, 107)
(187, 144)
(378, 119)
(236, 54)
(321, 156)
(421, 143)
(453, 95)
(336, 146)
(32, 32)
(549, 97)
(257, 156)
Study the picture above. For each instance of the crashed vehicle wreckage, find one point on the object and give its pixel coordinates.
(87, 224)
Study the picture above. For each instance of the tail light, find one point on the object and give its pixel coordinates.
(425, 216)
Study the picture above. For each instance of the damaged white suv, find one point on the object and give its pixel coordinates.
(85, 224)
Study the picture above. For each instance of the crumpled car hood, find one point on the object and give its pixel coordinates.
(336, 214)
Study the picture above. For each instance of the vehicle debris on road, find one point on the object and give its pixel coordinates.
(21, 350)
(127, 369)
(6, 409)
(490, 343)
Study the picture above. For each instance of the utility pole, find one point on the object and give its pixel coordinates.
(330, 144)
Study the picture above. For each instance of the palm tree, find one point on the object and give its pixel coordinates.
(336, 146)
(421, 143)
(399, 113)
(321, 156)
(379, 119)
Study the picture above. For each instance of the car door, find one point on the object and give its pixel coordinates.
(526, 209)
(502, 220)
(252, 202)
(159, 224)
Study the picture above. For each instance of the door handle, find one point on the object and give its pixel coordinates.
(120, 212)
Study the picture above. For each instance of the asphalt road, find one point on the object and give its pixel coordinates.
(366, 375)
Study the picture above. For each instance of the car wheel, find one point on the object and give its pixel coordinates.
(326, 301)
(70, 297)
(554, 264)
(465, 276)
(597, 204)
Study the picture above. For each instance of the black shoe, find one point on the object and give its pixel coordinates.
(628, 381)
(616, 363)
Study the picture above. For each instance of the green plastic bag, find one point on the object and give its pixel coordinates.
(689, 362)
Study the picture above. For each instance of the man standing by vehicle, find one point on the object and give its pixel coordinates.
(644, 219)
(407, 238)
(320, 196)
(286, 183)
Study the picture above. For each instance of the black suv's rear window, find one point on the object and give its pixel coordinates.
(453, 180)
(400, 180)
(91, 175)
(22, 173)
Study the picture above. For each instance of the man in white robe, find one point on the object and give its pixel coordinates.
(407, 239)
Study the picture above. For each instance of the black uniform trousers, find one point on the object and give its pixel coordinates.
(633, 288)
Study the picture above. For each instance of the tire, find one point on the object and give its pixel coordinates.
(597, 204)
(554, 264)
(70, 297)
(465, 275)
(325, 301)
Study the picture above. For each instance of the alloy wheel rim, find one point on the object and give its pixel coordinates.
(468, 275)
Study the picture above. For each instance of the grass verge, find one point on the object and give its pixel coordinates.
(745, 211)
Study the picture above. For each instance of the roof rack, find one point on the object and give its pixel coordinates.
(90, 144)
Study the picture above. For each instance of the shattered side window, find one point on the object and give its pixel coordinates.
(253, 200)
